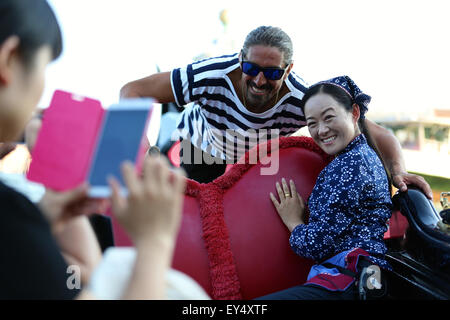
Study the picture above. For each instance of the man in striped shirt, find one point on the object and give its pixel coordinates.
(236, 101)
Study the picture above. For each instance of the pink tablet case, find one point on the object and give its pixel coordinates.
(66, 141)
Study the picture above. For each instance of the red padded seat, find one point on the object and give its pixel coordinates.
(231, 239)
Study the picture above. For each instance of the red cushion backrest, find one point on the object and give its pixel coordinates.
(244, 251)
(259, 239)
(231, 240)
(190, 254)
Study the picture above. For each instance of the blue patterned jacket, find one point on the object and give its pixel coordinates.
(349, 208)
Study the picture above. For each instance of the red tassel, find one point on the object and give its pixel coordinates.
(224, 278)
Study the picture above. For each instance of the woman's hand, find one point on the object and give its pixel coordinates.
(66, 212)
(290, 207)
(152, 210)
(61, 207)
(79, 246)
(151, 215)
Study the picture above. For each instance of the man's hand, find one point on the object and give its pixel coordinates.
(291, 207)
(403, 179)
(391, 152)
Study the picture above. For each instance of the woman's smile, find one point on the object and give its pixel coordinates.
(329, 140)
(329, 124)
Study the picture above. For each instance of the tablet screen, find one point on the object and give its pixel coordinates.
(120, 140)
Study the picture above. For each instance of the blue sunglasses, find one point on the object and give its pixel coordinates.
(270, 73)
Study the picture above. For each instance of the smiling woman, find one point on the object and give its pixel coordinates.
(332, 117)
(335, 113)
(350, 202)
(329, 124)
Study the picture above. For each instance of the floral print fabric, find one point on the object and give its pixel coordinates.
(349, 207)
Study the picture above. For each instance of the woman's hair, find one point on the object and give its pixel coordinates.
(271, 37)
(34, 22)
(346, 101)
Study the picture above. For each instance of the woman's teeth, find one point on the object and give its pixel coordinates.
(329, 139)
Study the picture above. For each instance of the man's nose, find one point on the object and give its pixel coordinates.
(260, 79)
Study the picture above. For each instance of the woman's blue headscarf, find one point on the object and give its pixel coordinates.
(350, 87)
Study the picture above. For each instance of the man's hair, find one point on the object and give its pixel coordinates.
(34, 22)
(271, 37)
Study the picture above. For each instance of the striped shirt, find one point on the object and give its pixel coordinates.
(217, 122)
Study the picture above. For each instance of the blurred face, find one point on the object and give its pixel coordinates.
(330, 125)
(20, 90)
(257, 90)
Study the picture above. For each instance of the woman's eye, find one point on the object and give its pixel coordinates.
(328, 118)
(311, 124)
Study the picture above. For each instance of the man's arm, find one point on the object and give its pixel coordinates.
(157, 86)
(391, 152)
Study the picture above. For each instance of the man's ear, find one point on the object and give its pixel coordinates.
(8, 49)
(288, 70)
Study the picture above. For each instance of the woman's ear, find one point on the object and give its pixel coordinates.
(356, 113)
(8, 49)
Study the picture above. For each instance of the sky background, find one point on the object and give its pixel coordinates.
(396, 51)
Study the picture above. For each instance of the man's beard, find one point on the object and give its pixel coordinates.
(258, 101)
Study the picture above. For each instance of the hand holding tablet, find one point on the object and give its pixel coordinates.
(81, 141)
